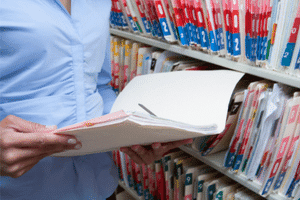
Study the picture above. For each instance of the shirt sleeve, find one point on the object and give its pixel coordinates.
(104, 77)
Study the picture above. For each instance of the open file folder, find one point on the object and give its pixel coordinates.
(187, 104)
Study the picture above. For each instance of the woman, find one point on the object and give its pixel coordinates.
(54, 72)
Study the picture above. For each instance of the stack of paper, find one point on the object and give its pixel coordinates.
(187, 104)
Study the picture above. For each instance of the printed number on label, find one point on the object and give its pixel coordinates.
(204, 40)
(165, 26)
(237, 44)
(286, 54)
(222, 38)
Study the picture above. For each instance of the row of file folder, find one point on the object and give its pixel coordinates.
(261, 137)
(262, 33)
(178, 176)
(264, 146)
(130, 59)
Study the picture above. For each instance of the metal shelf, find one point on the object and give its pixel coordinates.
(216, 161)
(256, 71)
(130, 191)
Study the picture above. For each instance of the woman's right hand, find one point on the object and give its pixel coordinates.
(23, 144)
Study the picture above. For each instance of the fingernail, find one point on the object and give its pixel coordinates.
(77, 146)
(72, 141)
(51, 127)
(156, 146)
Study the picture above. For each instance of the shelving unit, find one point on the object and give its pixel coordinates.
(215, 160)
(256, 71)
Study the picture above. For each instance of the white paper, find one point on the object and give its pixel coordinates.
(188, 102)
(198, 98)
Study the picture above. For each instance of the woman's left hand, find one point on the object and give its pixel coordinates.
(148, 154)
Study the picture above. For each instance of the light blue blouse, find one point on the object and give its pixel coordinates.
(55, 70)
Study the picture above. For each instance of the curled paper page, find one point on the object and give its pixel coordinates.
(187, 104)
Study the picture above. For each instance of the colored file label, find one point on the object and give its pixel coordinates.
(288, 53)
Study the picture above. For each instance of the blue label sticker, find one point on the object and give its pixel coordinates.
(238, 162)
(146, 25)
(164, 27)
(264, 49)
(219, 196)
(218, 38)
(120, 20)
(288, 54)
(236, 44)
(189, 34)
(253, 50)
(158, 28)
(203, 37)
(248, 46)
(182, 37)
(130, 180)
(211, 191)
(133, 25)
(222, 41)
(174, 30)
(198, 39)
(124, 22)
(146, 194)
(267, 186)
(259, 47)
(291, 188)
(193, 29)
(229, 42)
(113, 18)
(189, 179)
(279, 180)
(155, 28)
(200, 186)
(139, 189)
(297, 65)
(213, 42)
(229, 159)
(186, 32)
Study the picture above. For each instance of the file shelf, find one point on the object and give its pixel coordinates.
(253, 70)
(214, 160)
